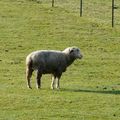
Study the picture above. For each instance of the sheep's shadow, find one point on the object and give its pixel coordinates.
(116, 92)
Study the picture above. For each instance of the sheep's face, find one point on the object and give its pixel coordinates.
(75, 53)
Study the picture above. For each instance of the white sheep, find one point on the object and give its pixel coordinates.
(50, 62)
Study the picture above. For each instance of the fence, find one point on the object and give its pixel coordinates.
(81, 9)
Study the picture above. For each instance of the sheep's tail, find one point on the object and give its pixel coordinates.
(28, 71)
(29, 63)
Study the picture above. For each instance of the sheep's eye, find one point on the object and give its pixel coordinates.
(71, 51)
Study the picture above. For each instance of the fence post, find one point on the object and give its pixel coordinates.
(81, 2)
(52, 3)
(113, 12)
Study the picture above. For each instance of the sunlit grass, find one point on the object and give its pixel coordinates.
(90, 88)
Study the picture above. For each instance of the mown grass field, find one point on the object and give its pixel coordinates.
(90, 88)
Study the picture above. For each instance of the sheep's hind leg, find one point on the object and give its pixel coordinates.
(28, 77)
(38, 79)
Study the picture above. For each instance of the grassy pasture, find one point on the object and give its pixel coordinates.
(90, 88)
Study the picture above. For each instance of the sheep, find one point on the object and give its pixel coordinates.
(50, 62)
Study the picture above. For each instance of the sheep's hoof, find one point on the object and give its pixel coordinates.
(58, 88)
(29, 87)
(38, 87)
(52, 88)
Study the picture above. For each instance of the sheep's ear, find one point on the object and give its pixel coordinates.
(71, 50)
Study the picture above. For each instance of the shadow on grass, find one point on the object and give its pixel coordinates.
(116, 92)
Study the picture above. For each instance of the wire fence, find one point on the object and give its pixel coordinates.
(106, 11)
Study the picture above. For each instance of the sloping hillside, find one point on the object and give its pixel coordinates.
(90, 88)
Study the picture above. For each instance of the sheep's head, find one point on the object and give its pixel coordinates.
(74, 52)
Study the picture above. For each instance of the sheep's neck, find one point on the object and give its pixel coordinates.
(70, 60)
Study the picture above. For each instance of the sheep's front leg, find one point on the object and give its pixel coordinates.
(53, 82)
(38, 79)
(58, 81)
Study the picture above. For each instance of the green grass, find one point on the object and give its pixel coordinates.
(90, 88)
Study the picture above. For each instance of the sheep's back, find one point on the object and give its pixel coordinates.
(48, 60)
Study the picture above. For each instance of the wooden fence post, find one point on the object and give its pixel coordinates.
(113, 12)
(81, 2)
(52, 3)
